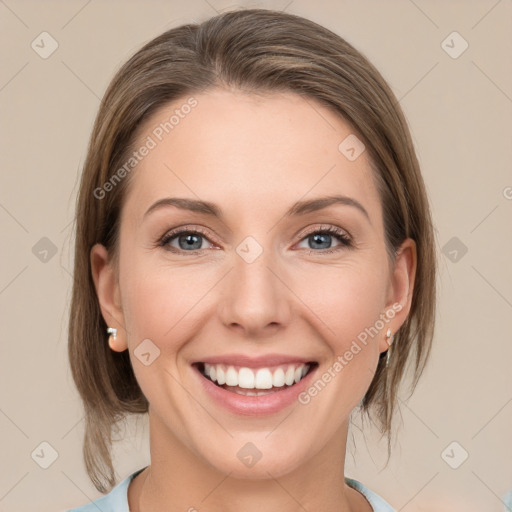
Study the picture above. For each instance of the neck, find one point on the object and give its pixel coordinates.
(178, 479)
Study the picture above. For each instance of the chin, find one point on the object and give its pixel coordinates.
(255, 461)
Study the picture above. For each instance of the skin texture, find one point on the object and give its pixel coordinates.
(253, 156)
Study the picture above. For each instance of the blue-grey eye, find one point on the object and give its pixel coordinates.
(322, 239)
(188, 240)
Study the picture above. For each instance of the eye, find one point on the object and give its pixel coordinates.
(187, 240)
(192, 240)
(322, 239)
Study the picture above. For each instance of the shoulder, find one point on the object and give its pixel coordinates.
(115, 501)
(378, 504)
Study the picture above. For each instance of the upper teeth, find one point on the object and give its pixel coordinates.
(263, 378)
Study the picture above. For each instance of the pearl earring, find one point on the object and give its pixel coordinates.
(113, 335)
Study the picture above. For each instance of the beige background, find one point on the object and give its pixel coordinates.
(459, 110)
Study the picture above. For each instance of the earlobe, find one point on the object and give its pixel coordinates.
(401, 289)
(107, 291)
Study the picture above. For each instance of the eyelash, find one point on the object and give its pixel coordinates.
(342, 237)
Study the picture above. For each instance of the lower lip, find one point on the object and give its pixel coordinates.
(255, 405)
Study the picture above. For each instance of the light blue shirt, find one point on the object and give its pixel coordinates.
(117, 499)
(508, 501)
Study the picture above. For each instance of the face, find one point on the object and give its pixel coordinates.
(287, 303)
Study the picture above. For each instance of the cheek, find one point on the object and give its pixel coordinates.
(348, 303)
(158, 305)
(159, 301)
(347, 299)
(360, 309)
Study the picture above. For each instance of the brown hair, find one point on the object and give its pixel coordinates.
(261, 51)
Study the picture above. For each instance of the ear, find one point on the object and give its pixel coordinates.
(109, 297)
(400, 289)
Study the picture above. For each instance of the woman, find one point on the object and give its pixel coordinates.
(254, 241)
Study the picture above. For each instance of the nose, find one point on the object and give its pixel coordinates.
(255, 298)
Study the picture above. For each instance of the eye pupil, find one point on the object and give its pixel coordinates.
(321, 238)
(190, 240)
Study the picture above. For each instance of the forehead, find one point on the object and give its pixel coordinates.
(254, 151)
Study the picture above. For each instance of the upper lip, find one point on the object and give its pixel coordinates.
(254, 361)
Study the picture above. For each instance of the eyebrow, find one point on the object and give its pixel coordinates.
(299, 208)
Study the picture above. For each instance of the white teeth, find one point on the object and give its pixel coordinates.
(278, 378)
(289, 378)
(221, 376)
(246, 378)
(231, 377)
(261, 379)
(252, 393)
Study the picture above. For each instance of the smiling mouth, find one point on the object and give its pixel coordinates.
(255, 382)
